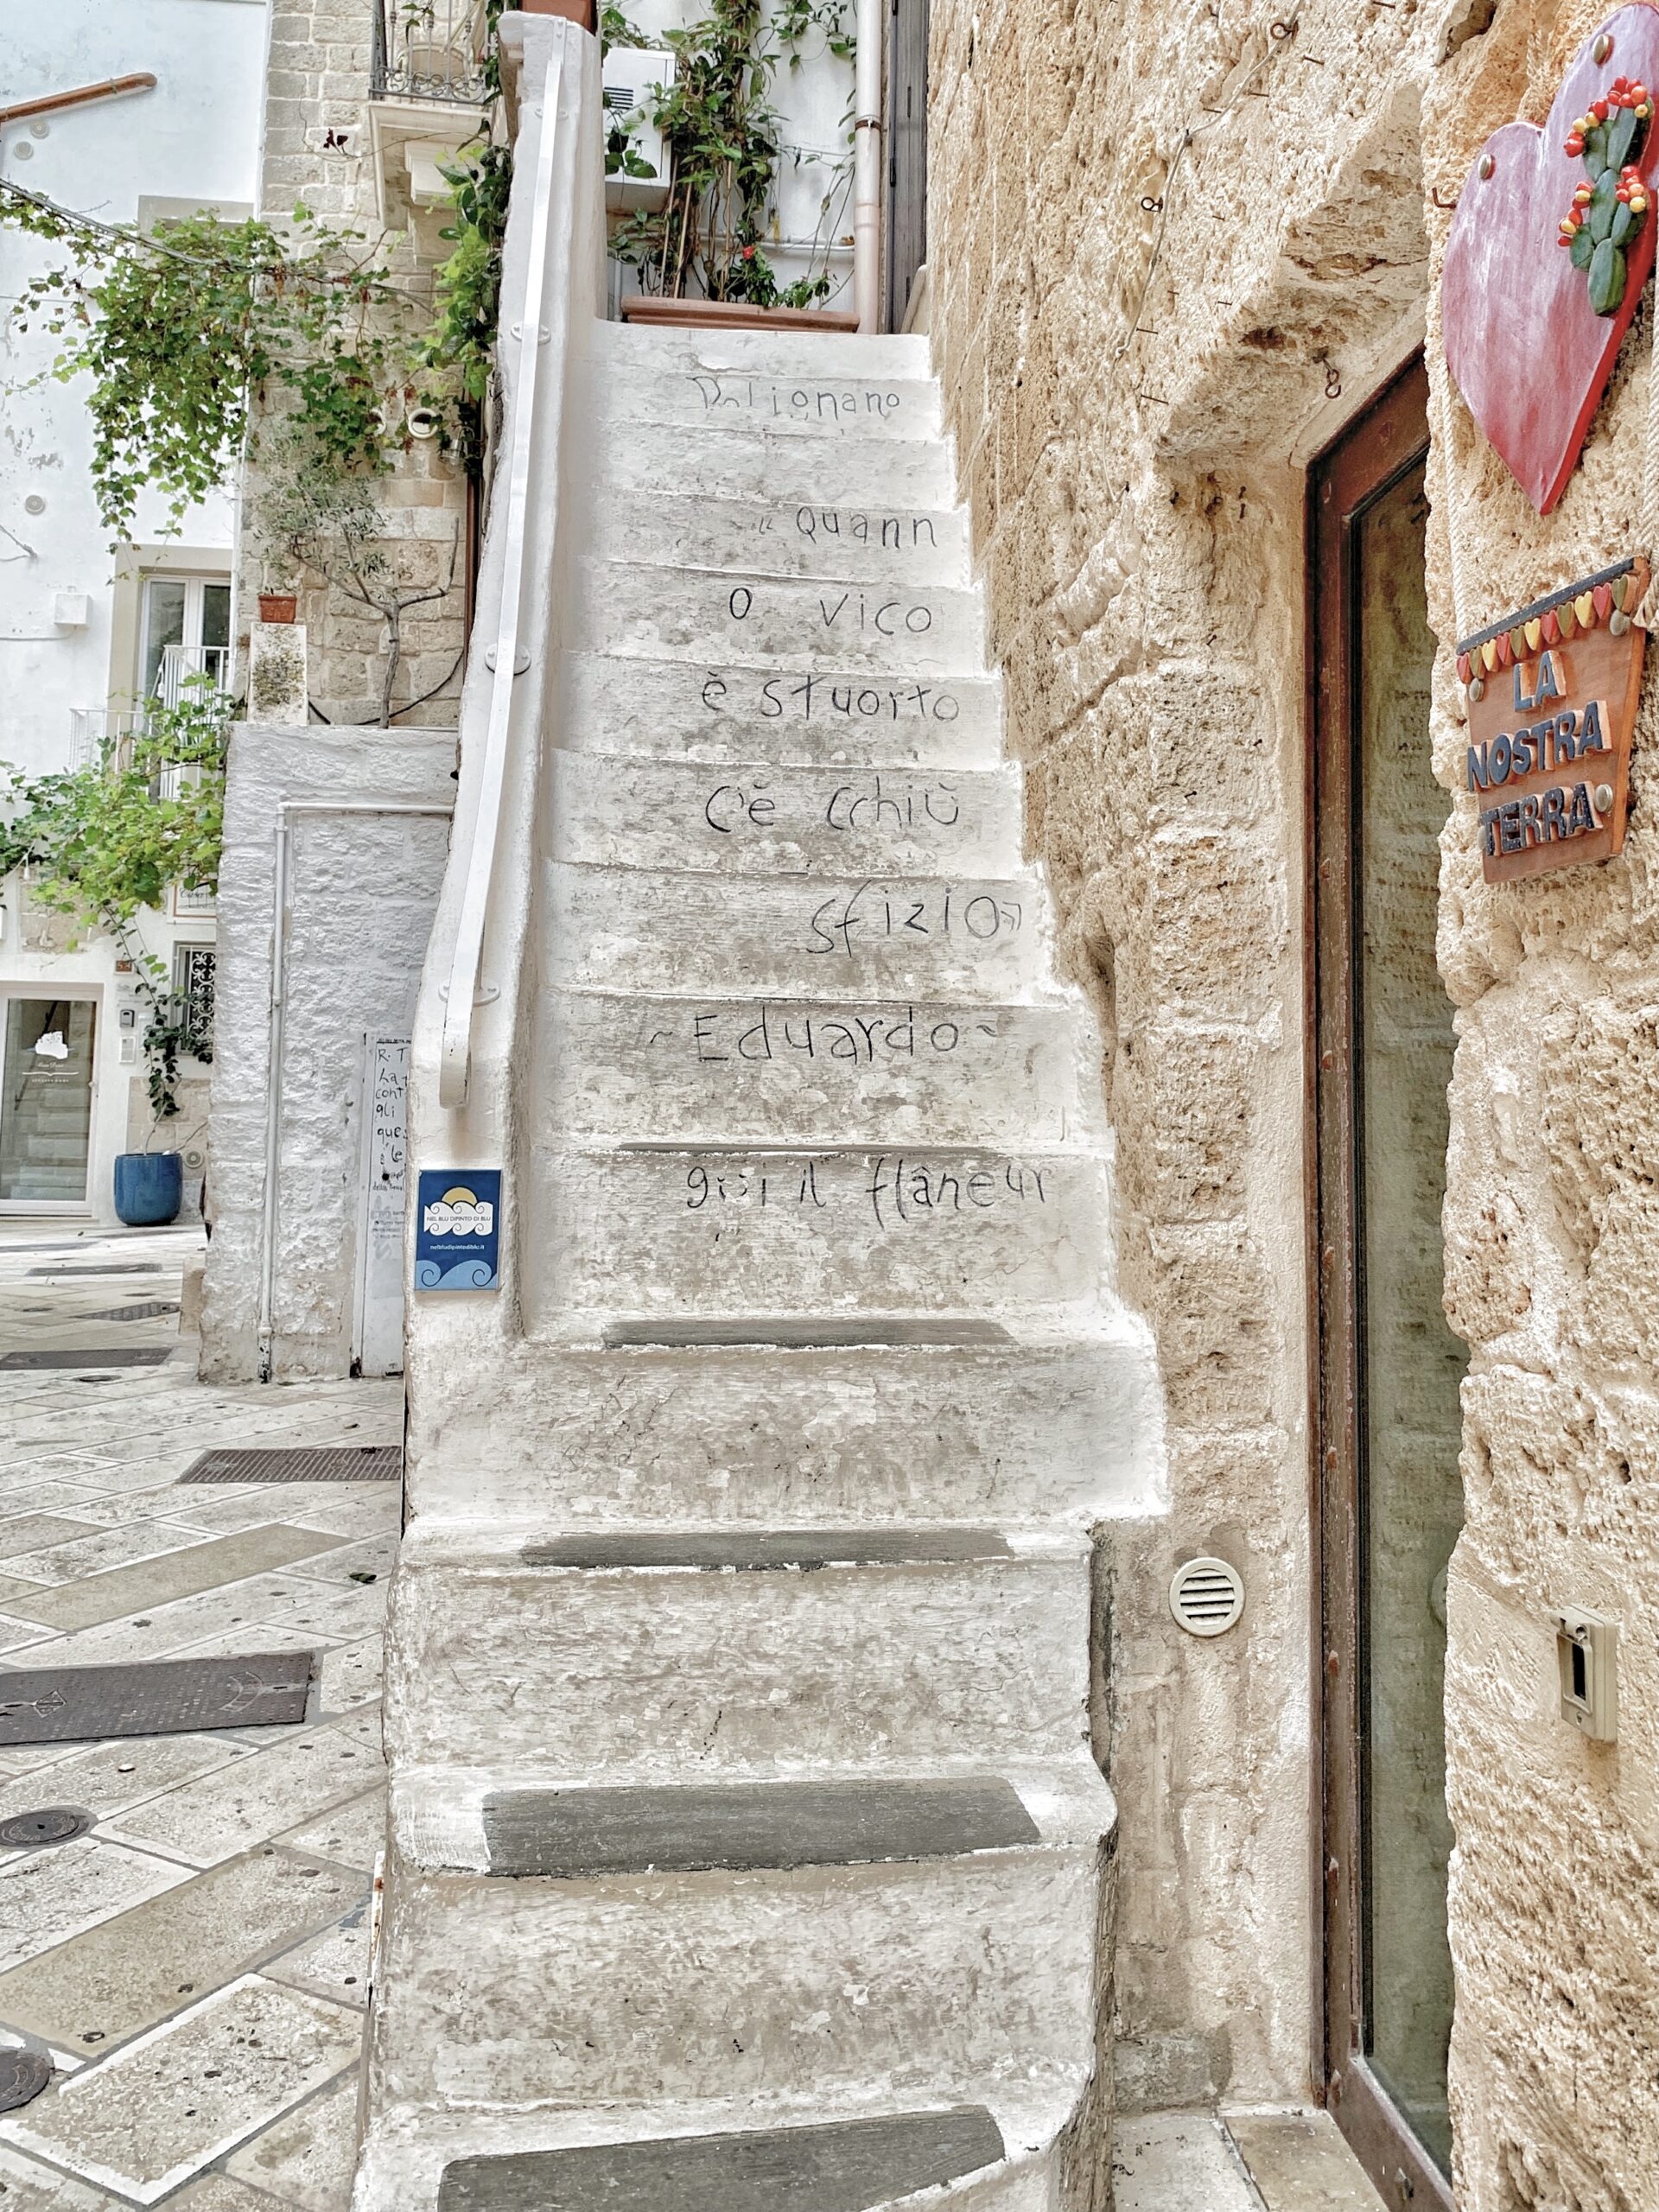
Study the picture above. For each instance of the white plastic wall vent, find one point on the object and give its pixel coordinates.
(1206, 1596)
(633, 75)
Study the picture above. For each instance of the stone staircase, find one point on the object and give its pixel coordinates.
(748, 1852)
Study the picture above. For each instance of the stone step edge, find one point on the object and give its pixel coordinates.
(464, 1821)
(597, 1329)
(1024, 1335)
(1060, 1000)
(736, 574)
(1028, 881)
(1031, 2114)
(897, 1548)
(868, 2164)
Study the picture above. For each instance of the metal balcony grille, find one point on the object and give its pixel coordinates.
(430, 50)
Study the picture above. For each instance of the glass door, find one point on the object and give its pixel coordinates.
(1388, 1416)
(186, 633)
(46, 1101)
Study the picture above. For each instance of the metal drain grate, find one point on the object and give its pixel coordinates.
(100, 1356)
(166, 1697)
(147, 1309)
(327, 1463)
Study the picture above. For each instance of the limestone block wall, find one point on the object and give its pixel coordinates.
(362, 883)
(1144, 335)
(318, 152)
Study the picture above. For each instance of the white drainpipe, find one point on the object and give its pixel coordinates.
(866, 171)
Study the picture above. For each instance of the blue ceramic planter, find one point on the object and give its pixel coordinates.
(148, 1187)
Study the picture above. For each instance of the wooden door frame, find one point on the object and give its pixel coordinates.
(1386, 440)
(903, 84)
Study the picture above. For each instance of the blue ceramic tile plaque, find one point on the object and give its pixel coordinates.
(458, 1233)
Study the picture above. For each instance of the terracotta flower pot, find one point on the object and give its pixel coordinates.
(730, 314)
(278, 606)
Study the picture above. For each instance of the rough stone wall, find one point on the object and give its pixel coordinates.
(362, 891)
(1135, 390)
(318, 152)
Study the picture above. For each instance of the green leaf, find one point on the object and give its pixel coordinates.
(1606, 278)
(1595, 149)
(1622, 127)
(1604, 204)
(1624, 226)
(1583, 246)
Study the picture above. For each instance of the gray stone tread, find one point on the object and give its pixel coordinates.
(792, 1332)
(581, 1833)
(849, 2166)
(753, 1550)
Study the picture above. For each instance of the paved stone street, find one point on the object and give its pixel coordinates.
(196, 1963)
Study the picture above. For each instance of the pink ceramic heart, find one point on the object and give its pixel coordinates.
(1529, 354)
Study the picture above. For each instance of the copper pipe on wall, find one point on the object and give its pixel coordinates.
(140, 80)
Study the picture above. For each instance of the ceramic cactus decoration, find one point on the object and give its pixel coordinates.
(1608, 212)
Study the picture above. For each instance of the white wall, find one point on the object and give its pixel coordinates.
(194, 137)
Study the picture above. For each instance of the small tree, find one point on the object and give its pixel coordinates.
(104, 843)
(334, 526)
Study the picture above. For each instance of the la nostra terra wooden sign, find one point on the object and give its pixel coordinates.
(1552, 694)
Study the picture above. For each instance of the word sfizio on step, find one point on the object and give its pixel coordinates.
(898, 1188)
(885, 909)
(724, 1033)
(827, 698)
(799, 403)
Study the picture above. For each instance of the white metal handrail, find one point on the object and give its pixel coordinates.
(461, 993)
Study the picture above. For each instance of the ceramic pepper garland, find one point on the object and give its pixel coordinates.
(1607, 213)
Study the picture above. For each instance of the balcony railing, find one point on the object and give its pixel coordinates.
(428, 50)
(100, 735)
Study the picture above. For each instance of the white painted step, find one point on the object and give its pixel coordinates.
(939, 1977)
(626, 1065)
(819, 400)
(620, 929)
(756, 462)
(783, 622)
(725, 1231)
(769, 537)
(617, 810)
(698, 1656)
(725, 711)
(741, 1437)
(792, 353)
(447, 2159)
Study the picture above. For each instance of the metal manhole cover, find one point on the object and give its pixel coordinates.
(23, 2075)
(330, 1462)
(148, 1309)
(101, 1356)
(161, 1697)
(51, 1824)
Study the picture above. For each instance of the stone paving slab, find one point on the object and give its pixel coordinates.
(334, 1964)
(161, 2109)
(1300, 2163)
(305, 2160)
(48, 1896)
(154, 1583)
(109, 1985)
(352, 1835)
(1178, 2161)
(106, 1460)
(28, 2186)
(108, 1778)
(228, 1811)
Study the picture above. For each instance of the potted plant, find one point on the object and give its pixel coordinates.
(278, 606)
(103, 844)
(701, 258)
(149, 1184)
